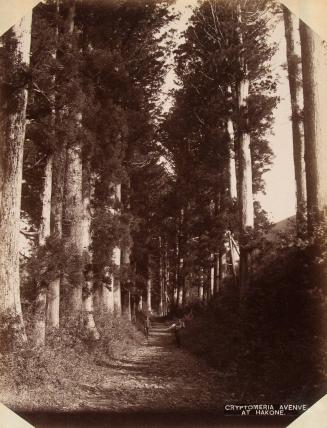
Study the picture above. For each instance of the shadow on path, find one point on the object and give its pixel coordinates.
(157, 385)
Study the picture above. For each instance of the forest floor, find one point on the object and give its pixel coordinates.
(159, 376)
(150, 375)
(155, 384)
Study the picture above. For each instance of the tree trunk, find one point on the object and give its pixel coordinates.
(88, 309)
(107, 295)
(129, 306)
(88, 291)
(232, 254)
(245, 164)
(315, 128)
(141, 303)
(212, 281)
(222, 267)
(216, 274)
(161, 278)
(232, 186)
(58, 160)
(294, 79)
(58, 179)
(44, 233)
(125, 261)
(181, 280)
(73, 222)
(166, 280)
(12, 136)
(116, 260)
(201, 286)
(73, 205)
(116, 281)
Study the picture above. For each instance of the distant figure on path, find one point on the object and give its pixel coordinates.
(176, 328)
(147, 325)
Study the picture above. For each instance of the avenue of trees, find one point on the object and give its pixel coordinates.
(125, 208)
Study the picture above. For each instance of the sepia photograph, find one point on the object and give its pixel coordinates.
(163, 214)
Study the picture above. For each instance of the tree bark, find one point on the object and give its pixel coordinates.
(149, 287)
(58, 160)
(107, 295)
(141, 303)
(201, 286)
(216, 274)
(12, 136)
(125, 261)
(222, 267)
(294, 78)
(166, 280)
(72, 227)
(161, 278)
(44, 233)
(212, 281)
(73, 221)
(88, 291)
(116, 257)
(315, 128)
(58, 179)
(231, 169)
(245, 163)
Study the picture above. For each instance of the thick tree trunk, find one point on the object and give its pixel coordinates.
(245, 196)
(44, 233)
(245, 173)
(73, 206)
(107, 296)
(231, 168)
(58, 160)
(88, 308)
(73, 223)
(315, 128)
(58, 179)
(12, 136)
(294, 78)
(88, 291)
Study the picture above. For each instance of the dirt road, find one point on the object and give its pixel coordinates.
(159, 376)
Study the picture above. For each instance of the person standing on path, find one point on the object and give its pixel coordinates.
(176, 327)
(147, 325)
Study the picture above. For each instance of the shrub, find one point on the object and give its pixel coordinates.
(275, 343)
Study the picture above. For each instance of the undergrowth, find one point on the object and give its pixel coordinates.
(60, 374)
(274, 345)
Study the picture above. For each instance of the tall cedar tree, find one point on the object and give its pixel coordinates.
(14, 57)
(196, 132)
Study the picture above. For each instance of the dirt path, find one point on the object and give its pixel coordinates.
(157, 386)
(158, 376)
